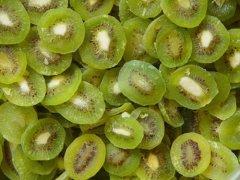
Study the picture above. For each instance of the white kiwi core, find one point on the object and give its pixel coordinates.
(5, 19)
(191, 86)
(24, 86)
(122, 131)
(234, 60)
(80, 102)
(42, 138)
(186, 4)
(55, 82)
(206, 38)
(152, 162)
(116, 89)
(60, 29)
(92, 2)
(39, 3)
(103, 40)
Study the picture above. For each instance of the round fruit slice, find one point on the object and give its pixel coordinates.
(141, 82)
(126, 107)
(124, 11)
(121, 162)
(190, 154)
(210, 40)
(43, 139)
(84, 156)
(104, 44)
(93, 76)
(185, 13)
(192, 87)
(61, 88)
(61, 30)
(85, 107)
(14, 22)
(123, 131)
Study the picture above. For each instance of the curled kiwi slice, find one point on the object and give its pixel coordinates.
(121, 162)
(126, 107)
(29, 91)
(13, 63)
(190, 154)
(192, 86)
(210, 40)
(85, 107)
(93, 76)
(84, 156)
(14, 22)
(43, 139)
(62, 87)
(153, 126)
(124, 11)
(124, 131)
(141, 82)
(61, 30)
(104, 43)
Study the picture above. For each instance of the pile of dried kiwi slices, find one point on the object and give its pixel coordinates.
(119, 89)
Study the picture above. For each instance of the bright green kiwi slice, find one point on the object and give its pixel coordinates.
(185, 13)
(141, 82)
(110, 88)
(126, 107)
(93, 76)
(62, 87)
(190, 154)
(124, 131)
(61, 30)
(145, 9)
(13, 63)
(85, 107)
(153, 126)
(91, 8)
(14, 22)
(14, 120)
(124, 11)
(36, 8)
(223, 162)
(29, 91)
(43, 139)
(104, 44)
(192, 86)
(210, 40)
(121, 162)
(42, 60)
(84, 156)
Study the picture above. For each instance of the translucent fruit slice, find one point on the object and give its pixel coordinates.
(93, 76)
(126, 107)
(124, 11)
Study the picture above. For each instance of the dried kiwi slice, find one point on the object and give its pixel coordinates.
(113, 177)
(62, 87)
(13, 63)
(42, 60)
(29, 91)
(14, 22)
(43, 139)
(126, 107)
(124, 11)
(93, 76)
(210, 40)
(85, 107)
(153, 126)
(190, 154)
(84, 156)
(123, 131)
(61, 30)
(192, 86)
(121, 162)
(185, 13)
(104, 43)
(141, 82)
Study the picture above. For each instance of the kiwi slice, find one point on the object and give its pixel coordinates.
(145, 9)
(37, 8)
(110, 88)
(126, 107)
(190, 154)
(29, 91)
(223, 162)
(14, 22)
(185, 13)
(93, 76)
(61, 88)
(42, 60)
(84, 156)
(156, 164)
(43, 139)
(121, 162)
(124, 11)
(210, 40)
(192, 86)
(141, 82)
(104, 43)
(113, 177)
(91, 8)
(61, 30)
(124, 131)
(153, 126)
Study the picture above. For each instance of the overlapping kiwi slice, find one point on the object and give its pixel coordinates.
(93, 76)
(84, 156)
(61, 30)
(124, 11)
(126, 107)
(192, 86)
(141, 82)
(210, 40)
